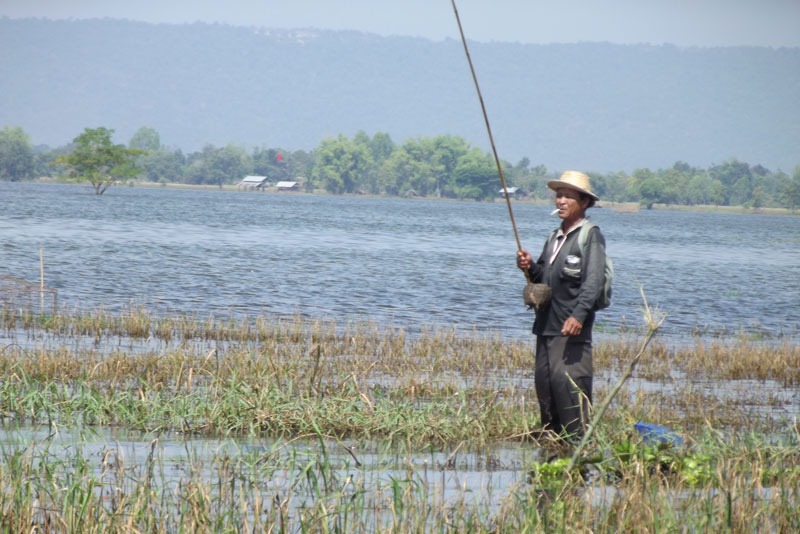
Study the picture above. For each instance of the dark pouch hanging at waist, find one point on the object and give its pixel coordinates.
(537, 296)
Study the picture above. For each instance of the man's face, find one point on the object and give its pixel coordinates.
(570, 203)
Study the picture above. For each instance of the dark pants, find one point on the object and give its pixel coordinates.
(565, 410)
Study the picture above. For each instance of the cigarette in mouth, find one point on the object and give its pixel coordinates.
(554, 211)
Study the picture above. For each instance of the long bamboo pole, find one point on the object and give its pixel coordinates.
(488, 129)
(41, 280)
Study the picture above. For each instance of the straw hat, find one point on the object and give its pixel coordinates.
(574, 180)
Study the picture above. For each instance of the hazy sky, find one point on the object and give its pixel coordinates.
(680, 22)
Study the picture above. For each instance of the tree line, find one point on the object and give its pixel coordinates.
(444, 166)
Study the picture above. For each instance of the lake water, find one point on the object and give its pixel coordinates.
(408, 263)
(476, 475)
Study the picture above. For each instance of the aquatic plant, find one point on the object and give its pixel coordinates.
(360, 383)
(302, 487)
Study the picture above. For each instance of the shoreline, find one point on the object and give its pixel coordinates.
(619, 207)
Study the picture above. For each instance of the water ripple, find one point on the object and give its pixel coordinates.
(410, 262)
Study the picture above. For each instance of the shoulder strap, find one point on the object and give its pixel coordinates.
(583, 234)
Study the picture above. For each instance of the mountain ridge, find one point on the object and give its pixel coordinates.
(595, 106)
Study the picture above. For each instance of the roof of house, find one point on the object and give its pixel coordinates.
(511, 190)
(285, 184)
(253, 180)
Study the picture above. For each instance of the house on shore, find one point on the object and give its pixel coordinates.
(513, 192)
(253, 182)
(287, 186)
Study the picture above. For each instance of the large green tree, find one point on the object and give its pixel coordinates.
(420, 168)
(44, 160)
(145, 138)
(532, 180)
(395, 173)
(16, 155)
(218, 165)
(702, 189)
(651, 190)
(161, 165)
(95, 159)
(615, 186)
(475, 176)
(735, 176)
(301, 165)
(675, 182)
(341, 165)
(273, 163)
(791, 192)
(425, 165)
(381, 146)
(445, 153)
(368, 181)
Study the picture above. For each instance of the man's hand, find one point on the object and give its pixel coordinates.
(572, 327)
(524, 260)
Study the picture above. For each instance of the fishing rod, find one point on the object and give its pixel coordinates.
(489, 129)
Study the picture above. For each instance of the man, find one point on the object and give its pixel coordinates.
(563, 327)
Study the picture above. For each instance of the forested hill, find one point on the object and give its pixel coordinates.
(594, 106)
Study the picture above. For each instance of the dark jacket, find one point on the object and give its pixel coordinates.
(576, 280)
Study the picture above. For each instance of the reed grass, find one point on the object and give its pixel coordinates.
(436, 349)
(741, 485)
(284, 376)
(367, 383)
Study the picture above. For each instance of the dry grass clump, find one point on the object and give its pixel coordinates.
(716, 359)
(283, 375)
(744, 359)
(366, 383)
(435, 350)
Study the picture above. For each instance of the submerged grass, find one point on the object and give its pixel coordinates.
(363, 382)
(741, 485)
(359, 379)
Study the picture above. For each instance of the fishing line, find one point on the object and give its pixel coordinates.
(488, 129)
